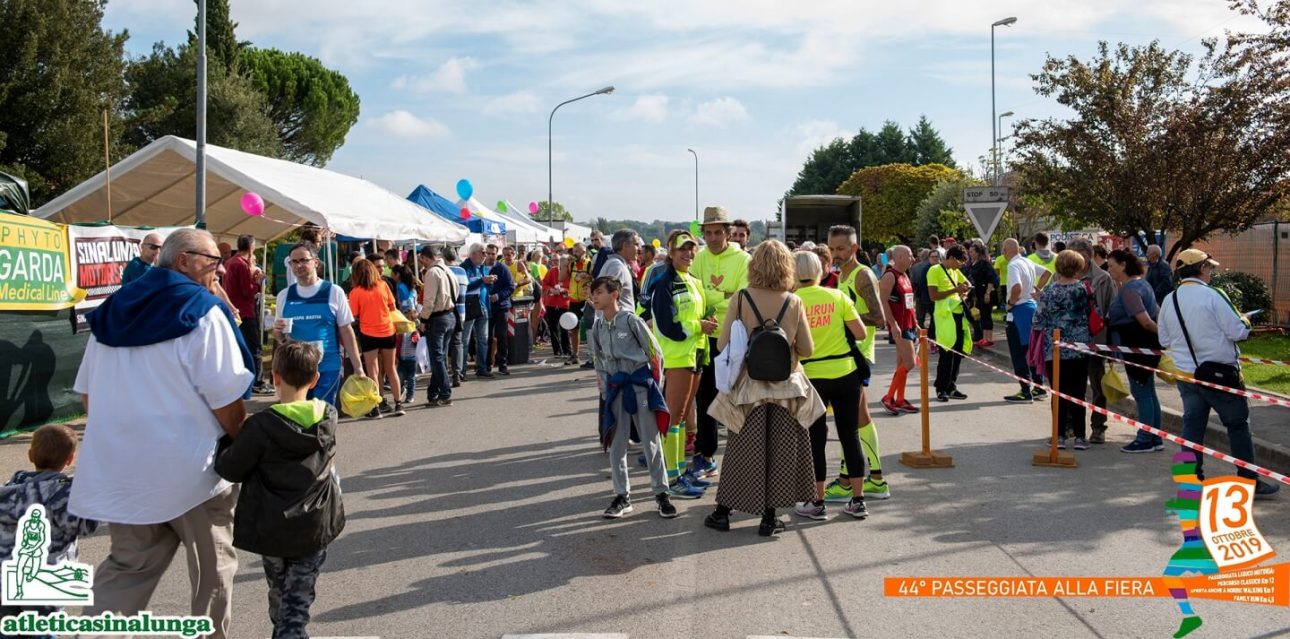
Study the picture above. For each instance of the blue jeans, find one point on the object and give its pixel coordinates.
(408, 377)
(476, 331)
(1144, 393)
(1017, 353)
(439, 332)
(1232, 410)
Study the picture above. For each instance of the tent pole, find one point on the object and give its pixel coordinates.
(201, 115)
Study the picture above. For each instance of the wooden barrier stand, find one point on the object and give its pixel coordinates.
(926, 458)
(1051, 456)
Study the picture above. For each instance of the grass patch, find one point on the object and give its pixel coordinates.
(1266, 376)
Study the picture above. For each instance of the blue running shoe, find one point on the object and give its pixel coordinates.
(703, 467)
(683, 489)
(696, 481)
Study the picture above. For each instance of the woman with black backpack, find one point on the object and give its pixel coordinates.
(677, 305)
(768, 462)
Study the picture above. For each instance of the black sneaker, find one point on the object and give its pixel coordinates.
(717, 521)
(1019, 398)
(398, 410)
(770, 527)
(1038, 393)
(942, 397)
(503, 371)
(1265, 490)
(375, 414)
(589, 365)
(485, 375)
(620, 506)
(955, 394)
(385, 407)
(665, 508)
(443, 401)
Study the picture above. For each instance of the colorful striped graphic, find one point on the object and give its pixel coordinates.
(1193, 556)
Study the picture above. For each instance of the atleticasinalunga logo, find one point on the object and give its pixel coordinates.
(26, 579)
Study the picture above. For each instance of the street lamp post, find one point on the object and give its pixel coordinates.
(550, 210)
(696, 184)
(994, 132)
(998, 163)
(200, 177)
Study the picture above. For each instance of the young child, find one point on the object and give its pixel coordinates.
(290, 506)
(53, 448)
(622, 349)
(408, 365)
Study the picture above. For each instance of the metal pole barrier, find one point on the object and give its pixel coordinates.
(925, 458)
(1051, 456)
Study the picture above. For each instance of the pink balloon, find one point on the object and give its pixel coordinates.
(465, 213)
(253, 204)
(533, 208)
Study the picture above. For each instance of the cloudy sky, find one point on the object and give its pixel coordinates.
(463, 88)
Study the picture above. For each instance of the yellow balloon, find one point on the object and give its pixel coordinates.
(656, 243)
(568, 242)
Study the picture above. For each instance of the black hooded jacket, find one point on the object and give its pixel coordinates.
(290, 504)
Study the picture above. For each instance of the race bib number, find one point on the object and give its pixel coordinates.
(909, 300)
(1227, 524)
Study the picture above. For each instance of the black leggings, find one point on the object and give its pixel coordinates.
(559, 336)
(843, 394)
(947, 366)
(1074, 381)
(705, 441)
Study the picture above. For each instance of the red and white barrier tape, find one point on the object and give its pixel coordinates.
(1259, 470)
(1151, 351)
(1271, 399)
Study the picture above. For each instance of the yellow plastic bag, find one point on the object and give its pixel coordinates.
(1113, 386)
(1171, 373)
(359, 395)
(401, 322)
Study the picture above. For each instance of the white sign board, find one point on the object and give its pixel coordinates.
(985, 206)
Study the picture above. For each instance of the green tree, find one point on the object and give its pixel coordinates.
(560, 213)
(221, 35)
(826, 168)
(59, 71)
(163, 100)
(1157, 144)
(311, 106)
(928, 147)
(892, 146)
(891, 194)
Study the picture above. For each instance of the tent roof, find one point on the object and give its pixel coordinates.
(156, 186)
(542, 233)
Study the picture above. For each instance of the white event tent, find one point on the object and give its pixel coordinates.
(156, 186)
(540, 232)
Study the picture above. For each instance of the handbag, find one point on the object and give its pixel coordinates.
(1213, 372)
(474, 307)
(1095, 323)
(401, 322)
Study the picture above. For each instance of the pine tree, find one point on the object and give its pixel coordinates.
(928, 146)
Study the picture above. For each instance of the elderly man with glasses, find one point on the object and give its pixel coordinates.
(162, 379)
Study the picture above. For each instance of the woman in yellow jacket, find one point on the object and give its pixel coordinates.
(677, 305)
(948, 288)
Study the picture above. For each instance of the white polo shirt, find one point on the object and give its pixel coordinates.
(149, 448)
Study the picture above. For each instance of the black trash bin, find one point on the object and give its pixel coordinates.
(521, 344)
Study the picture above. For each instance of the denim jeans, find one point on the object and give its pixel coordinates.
(1232, 410)
(439, 331)
(475, 331)
(1017, 352)
(1144, 393)
(408, 377)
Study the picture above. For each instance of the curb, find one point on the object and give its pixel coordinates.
(1269, 454)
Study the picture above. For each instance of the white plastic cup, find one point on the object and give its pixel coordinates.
(288, 324)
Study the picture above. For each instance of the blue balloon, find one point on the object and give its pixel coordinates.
(465, 189)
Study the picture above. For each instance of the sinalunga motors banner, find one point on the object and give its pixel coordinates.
(51, 274)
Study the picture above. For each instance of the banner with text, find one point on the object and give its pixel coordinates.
(35, 273)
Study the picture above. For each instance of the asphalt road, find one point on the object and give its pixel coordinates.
(483, 520)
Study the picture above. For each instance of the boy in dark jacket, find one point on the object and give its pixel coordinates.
(53, 448)
(290, 506)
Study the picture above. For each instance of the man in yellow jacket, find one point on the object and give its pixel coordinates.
(722, 268)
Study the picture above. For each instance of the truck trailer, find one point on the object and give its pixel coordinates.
(808, 217)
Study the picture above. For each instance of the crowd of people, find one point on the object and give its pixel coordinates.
(685, 337)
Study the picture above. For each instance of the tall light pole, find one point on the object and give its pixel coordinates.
(999, 137)
(200, 185)
(994, 132)
(696, 184)
(550, 206)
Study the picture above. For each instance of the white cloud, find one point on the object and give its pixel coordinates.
(403, 124)
(720, 112)
(647, 108)
(449, 77)
(817, 133)
(516, 103)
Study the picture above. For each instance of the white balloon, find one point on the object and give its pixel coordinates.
(568, 321)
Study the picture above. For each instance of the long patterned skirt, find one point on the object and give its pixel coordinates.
(767, 463)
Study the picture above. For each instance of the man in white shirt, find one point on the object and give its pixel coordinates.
(1023, 276)
(625, 244)
(1198, 324)
(162, 379)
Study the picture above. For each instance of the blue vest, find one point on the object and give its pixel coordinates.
(313, 320)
